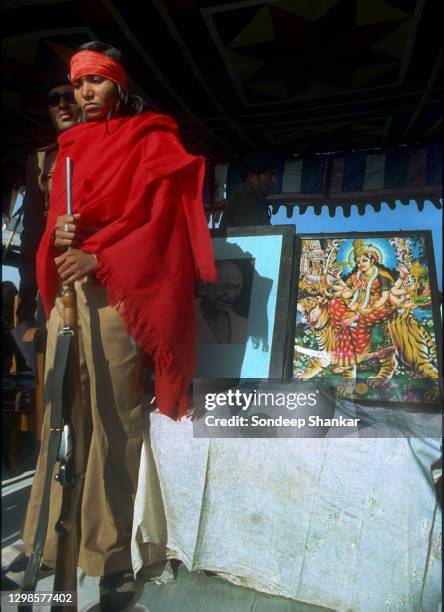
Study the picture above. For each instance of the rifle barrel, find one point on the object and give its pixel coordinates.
(68, 186)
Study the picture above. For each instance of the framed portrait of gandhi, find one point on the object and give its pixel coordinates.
(368, 316)
(242, 320)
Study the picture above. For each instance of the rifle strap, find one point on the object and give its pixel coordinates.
(59, 384)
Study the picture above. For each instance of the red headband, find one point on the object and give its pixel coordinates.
(91, 62)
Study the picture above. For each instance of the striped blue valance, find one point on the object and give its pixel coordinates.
(346, 179)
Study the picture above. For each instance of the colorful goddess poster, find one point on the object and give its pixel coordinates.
(367, 316)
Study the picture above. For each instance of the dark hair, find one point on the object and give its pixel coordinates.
(56, 78)
(129, 104)
(257, 163)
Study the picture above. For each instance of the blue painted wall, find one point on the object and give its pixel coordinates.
(402, 218)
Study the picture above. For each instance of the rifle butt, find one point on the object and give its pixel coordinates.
(65, 576)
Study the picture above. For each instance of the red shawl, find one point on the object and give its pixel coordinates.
(134, 183)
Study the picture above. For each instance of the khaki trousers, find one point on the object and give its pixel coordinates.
(111, 418)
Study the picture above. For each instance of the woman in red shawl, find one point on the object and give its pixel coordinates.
(138, 239)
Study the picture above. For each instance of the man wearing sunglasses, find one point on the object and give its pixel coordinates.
(64, 113)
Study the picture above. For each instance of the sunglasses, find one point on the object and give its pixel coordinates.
(54, 97)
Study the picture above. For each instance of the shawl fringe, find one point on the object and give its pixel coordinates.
(144, 334)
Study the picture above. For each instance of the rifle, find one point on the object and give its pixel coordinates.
(65, 447)
(72, 464)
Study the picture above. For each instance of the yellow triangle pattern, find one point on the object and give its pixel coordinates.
(273, 88)
(394, 43)
(244, 66)
(310, 9)
(258, 30)
(363, 75)
(376, 11)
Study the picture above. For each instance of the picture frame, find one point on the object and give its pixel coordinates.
(374, 335)
(258, 264)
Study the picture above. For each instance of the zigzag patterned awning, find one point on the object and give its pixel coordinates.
(358, 178)
(310, 76)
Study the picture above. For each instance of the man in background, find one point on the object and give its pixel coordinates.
(247, 205)
(9, 291)
(64, 113)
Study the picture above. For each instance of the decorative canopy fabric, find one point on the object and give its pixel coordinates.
(343, 179)
(292, 75)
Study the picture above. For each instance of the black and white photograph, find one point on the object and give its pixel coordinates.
(222, 308)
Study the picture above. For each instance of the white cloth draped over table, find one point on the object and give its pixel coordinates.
(348, 524)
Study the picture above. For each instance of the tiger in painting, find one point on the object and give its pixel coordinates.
(411, 344)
